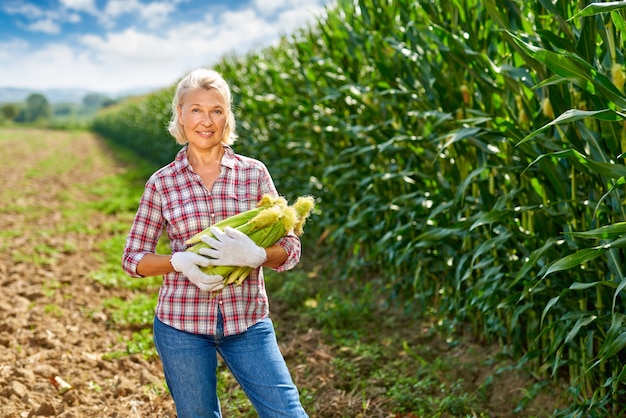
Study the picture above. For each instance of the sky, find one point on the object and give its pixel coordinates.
(115, 46)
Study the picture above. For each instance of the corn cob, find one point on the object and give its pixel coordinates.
(233, 222)
(272, 219)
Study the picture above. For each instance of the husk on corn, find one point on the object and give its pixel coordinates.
(271, 220)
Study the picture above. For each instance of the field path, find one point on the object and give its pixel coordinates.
(52, 323)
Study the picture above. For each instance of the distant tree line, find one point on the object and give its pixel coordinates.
(37, 109)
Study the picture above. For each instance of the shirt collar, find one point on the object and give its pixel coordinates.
(181, 162)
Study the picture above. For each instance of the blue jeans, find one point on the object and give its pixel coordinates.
(190, 367)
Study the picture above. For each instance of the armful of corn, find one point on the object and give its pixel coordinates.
(271, 220)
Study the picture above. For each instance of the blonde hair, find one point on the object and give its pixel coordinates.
(202, 79)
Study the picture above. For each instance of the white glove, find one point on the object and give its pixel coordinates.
(232, 248)
(189, 264)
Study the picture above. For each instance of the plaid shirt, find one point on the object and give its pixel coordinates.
(175, 199)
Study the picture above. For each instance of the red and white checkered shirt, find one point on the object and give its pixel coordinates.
(175, 199)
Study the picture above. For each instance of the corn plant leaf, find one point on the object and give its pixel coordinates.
(596, 8)
(604, 232)
(550, 304)
(554, 80)
(617, 292)
(618, 21)
(573, 286)
(574, 260)
(436, 234)
(615, 338)
(581, 322)
(617, 183)
(618, 243)
(459, 135)
(558, 63)
(605, 169)
(534, 258)
(490, 217)
(613, 346)
(467, 181)
(614, 266)
(576, 69)
(573, 115)
(583, 286)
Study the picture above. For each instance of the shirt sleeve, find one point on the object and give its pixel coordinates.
(145, 230)
(291, 244)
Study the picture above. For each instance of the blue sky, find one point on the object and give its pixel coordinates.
(113, 46)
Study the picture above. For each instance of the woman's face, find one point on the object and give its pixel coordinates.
(203, 117)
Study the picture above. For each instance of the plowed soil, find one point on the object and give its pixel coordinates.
(53, 328)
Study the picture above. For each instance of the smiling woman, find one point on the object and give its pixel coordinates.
(203, 117)
(202, 100)
(197, 315)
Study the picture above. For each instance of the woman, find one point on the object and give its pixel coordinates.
(196, 316)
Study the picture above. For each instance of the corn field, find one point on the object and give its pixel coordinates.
(471, 153)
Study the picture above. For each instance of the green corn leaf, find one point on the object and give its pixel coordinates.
(490, 217)
(618, 243)
(559, 63)
(605, 232)
(613, 346)
(437, 234)
(615, 338)
(575, 69)
(583, 286)
(618, 20)
(534, 258)
(574, 260)
(573, 115)
(549, 305)
(605, 169)
(581, 322)
(596, 8)
(618, 291)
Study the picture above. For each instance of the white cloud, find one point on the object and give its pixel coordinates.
(153, 14)
(41, 20)
(45, 26)
(54, 66)
(23, 9)
(73, 18)
(116, 8)
(136, 48)
(142, 58)
(271, 7)
(11, 49)
(88, 6)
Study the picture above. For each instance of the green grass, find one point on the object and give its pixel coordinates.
(140, 343)
(370, 356)
(134, 312)
(53, 310)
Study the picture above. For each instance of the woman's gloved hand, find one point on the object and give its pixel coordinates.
(189, 264)
(232, 248)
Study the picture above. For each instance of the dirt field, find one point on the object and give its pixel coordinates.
(51, 321)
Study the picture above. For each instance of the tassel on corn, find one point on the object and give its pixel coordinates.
(271, 220)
